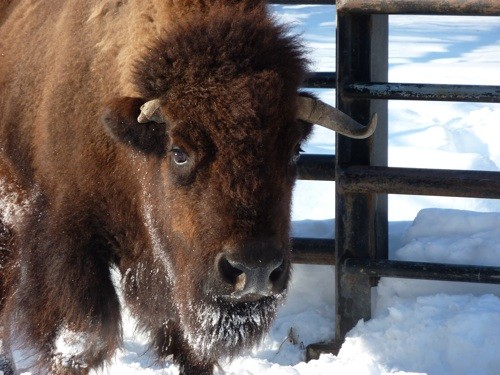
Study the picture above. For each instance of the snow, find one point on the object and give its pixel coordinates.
(68, 345)
(451, 236)
(417, 327)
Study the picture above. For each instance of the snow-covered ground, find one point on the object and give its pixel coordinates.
(417, 326)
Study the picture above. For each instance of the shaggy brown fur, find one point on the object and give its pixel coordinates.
(105, 191)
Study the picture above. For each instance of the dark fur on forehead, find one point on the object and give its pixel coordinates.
(219, 45)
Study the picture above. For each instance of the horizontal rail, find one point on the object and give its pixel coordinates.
(313, 251)
(416, 181)
(441, 7)
(421, 270)
(321, 80)
(417, 91)
(316, 167)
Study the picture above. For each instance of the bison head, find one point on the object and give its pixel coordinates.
(219, 124)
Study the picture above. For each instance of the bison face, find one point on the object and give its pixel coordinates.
(221, 173)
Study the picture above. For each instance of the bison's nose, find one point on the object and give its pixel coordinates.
(252, 280)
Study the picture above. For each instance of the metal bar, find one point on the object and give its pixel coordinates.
(321, 80)
(421, 270)
(314, 351)
(316, 167)
(417, 91)
(441, 7)
(313, 251)
(361, 219)
(414, 181)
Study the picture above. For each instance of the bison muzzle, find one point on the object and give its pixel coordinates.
(158, 139)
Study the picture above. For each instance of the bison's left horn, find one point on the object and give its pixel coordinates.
(150, 112)
(317, 112)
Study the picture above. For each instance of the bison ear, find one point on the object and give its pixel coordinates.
(120, 120)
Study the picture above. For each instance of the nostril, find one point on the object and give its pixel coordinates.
(229, 271)
(247, 277)
(277, 273)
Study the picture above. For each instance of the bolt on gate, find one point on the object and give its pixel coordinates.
(360, 169)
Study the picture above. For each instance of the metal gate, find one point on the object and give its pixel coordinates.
(363, 179)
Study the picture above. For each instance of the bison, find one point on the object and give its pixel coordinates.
(157, 138)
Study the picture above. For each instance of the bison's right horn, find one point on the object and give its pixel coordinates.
(317, 112)
(150, 112)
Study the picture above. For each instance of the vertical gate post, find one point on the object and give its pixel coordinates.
(361, 219)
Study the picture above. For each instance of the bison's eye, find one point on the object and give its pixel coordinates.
(179, 156)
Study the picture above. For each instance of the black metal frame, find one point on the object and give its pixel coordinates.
(363, 179)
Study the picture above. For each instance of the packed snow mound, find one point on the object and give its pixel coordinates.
(453, 236)
(438, 334)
